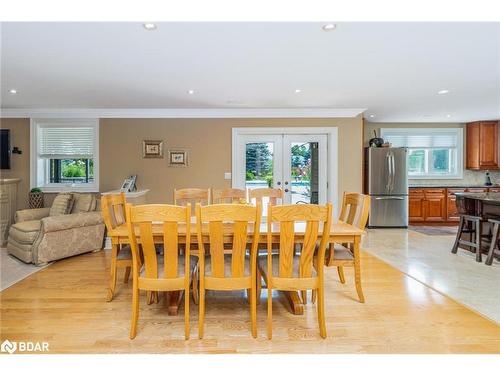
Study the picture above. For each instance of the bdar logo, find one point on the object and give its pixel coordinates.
(9, 347)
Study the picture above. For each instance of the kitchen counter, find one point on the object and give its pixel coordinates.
(452, 186)
(492, 198)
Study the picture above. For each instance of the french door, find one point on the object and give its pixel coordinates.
(296, 163)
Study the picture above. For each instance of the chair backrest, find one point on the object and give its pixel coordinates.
(355, 209)
(315, 217)
(192, 196)
(142, 219)
(228, 220)
(220, 196)
(272, 194)
(113, 210)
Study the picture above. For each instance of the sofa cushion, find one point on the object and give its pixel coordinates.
(25, 232)
(83, 203)
(61, 204)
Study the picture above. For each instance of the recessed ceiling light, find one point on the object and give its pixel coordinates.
(13, 91)
(329, 27)
(149, 26)
(190, 92)
(442, 92)
(298, 91)
(448, 116)
(372, 116)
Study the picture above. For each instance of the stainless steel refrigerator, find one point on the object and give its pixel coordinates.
(388, 187)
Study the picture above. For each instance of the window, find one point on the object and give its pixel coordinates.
(433, 153)
(65, 154)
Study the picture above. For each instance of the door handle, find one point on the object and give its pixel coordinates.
(393, 170)
(389, 198)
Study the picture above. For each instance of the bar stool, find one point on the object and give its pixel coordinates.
(494, 248)
(471, 225)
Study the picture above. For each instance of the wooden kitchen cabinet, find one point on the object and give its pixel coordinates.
(427, 205)
(482, 152)
(435, 205)
(416, 201)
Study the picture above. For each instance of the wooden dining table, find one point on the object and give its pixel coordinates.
(340, 232)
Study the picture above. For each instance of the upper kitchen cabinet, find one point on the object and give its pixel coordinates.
(482, 145)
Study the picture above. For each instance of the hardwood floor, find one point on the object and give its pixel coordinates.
(65, 304)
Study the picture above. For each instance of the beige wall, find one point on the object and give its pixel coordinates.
(20, 164)
(209, 142)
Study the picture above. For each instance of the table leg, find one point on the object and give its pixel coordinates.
(295, 302)
(174, 301)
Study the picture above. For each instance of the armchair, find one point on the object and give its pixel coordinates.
(39, 238)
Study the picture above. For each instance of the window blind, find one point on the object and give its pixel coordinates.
(59, 142)
(421, 138)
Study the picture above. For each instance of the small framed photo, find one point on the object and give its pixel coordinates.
(152, 149)
(178, 158)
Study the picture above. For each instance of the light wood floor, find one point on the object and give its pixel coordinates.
(64, 304)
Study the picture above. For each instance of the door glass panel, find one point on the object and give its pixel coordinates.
(259, 168)
(304, 184)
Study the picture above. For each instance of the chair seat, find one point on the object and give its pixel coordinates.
(342, 253)
(180, 269)
(262, 260)
(25, 232)
(227, 266)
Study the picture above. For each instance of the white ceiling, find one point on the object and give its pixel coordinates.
(394, 70)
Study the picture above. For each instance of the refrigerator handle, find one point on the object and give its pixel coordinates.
(389, 172)
(393, 171)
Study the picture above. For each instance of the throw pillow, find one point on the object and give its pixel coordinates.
(82, 203)
(61, 204)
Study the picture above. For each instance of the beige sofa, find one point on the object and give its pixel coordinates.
(39, 238)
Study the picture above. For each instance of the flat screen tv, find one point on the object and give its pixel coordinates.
(5, 148)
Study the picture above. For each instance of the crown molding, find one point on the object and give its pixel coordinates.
(180, 112)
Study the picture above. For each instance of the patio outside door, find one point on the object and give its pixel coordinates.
(296, 163)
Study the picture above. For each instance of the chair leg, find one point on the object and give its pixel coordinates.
(253, 310)
(112, 282)
(454, 249)
(321, 311)
(340, 271)
(269, 312)
(127, 274)
(313, 296)
(135, 311)
(201, 307)
(186, 313)
(149, 297)
(195, 285)
(478, 241)
(259, 287)
(303, 294)
(357, 272)
(493, 246)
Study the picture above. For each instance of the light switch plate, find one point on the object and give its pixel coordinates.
(227, 175)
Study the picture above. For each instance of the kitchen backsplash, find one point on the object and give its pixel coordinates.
(471, 178)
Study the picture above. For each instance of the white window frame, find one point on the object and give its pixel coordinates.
(61, 187)
(459, 132)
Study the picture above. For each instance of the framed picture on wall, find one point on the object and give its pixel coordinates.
(178, 158)
(152, 149)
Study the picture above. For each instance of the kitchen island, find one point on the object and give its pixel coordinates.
(485, 205)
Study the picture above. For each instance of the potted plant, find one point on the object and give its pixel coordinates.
(35, 198)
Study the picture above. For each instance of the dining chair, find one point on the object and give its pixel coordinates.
(259, 194)
(172, 272)
(355, 210)
(220, 196)
(220, 270)
(113, 213)
(288, 271)
(192, 196)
